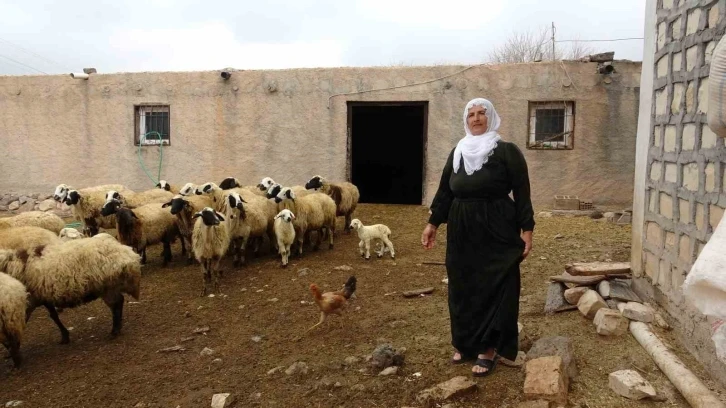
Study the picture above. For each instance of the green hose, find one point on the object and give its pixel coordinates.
(161, 156)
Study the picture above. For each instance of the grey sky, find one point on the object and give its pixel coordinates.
(186, 35)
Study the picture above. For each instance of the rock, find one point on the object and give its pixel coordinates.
(217, 361)
(612, 304)
(559, 236)
(610, 322)
(358, 387)
(620, 290)
(303, 272)
(544, 214)
(201, 330)
(343, 268)
(397, 323)
(206, 352)
(349, 361)
(597, 268)
(385, 356)
(222, 400)
(6, 199)
(590, 303)
(518, 362)
(326, 383)
(555, 346)
(545, 378)
(24, 199)
(275, 370)
(556, 299)
(256, 339)
(29, 206)
(171, 349)
(14, 404)
(3, 208)
(446, 391)
(596, 214)
(46, 205)
(534, 404)
(630, 384)
(638, 312)
(297, 368)
(389, 371)
(603, 288)
(573, 295)
(14, 205)
(660, 321)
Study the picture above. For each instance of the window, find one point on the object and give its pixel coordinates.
(551, 125)
(152, 125)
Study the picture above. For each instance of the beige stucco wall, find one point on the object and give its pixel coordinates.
(57, 129)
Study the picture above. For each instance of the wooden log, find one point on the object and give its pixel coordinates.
(418, 292)
(598, 268)
(583, 280)
(556, 299)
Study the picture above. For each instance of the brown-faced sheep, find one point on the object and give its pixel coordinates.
(345, 195)
(13, 303)
(210, 241)
(184, 208)
(76, 272)
(26, 238)
(143, 226)
(41, 219)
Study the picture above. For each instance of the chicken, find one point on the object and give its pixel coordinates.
(332, 302)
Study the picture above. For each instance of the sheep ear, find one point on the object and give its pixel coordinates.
(197, 214)
(243, 200)
(158, 185)
(293, 216)
(166, 204)
(219, 216)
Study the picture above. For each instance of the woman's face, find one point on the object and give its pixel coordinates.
(477, 120)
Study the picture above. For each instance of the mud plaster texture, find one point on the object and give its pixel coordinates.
(278, 124)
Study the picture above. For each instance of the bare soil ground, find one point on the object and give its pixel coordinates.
(264, 300)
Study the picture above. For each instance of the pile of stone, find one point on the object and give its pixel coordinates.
(18, 203)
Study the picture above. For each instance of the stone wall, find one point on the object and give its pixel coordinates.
(685, 184)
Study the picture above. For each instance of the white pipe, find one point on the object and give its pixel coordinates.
(685, 381)
(79, 75)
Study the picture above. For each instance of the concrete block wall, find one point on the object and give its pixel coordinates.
(685, 185)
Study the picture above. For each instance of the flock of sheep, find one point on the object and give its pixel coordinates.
(44, 263)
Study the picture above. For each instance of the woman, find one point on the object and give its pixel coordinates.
(489, 234)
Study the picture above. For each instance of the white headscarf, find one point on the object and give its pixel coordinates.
(477, 149)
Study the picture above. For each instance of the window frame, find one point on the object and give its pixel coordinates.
(154, 107)
(569, 125)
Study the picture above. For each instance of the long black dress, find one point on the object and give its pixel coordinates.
(484, 248)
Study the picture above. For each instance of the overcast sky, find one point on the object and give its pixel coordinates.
(186, 35)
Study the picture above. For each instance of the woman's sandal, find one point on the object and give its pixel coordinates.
(485, 363)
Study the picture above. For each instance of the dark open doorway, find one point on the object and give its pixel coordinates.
(387, 141)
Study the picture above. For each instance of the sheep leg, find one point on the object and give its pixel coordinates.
(284, 251)
(348, 219)
(13, 347)
(190, 255)
(184, 246)
(239, 255)
(368, 249)
(361, 246)
(206, 278)
(167, 252)
(115, 302)
(389, 245)
(29, 310)
(380, 248)
(215, 274)
(256, 246)
(331, 236)
(65, 338)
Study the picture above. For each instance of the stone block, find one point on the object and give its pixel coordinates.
(678, 91)
(657, 136)
(708, 53)
(694, 17)
(573, 295)
(630, 384)
(664, 274)
(669, 141)
(653, 233)
(715, 215)
(688, 141)
(684, 211)
(662, 66)
(684, 248)
(656, 169)
(652, 194)
(14, 205)
(222, 400)
(677, 61)
(651, 265)
(668, 4)
(700, 217)
(708, 138)
(676, 28)
(660, 42)
(665, 206)
(590, 303)
(555, 346)
(545, 378)
(711, 178)
(691, 97)
(713, 16)
(638, 312)
(661, 100)
(670, 241)
(603, 289)
(611, 323)
(703, 96)
(690, 176)
(446, 391)
(692, 58)
(671, 172)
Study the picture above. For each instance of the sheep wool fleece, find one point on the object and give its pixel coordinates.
(484, 249)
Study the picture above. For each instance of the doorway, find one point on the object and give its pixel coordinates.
(387, 143)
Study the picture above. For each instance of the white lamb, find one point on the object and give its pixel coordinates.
(378, 232)
(67, 234)
(285, 233)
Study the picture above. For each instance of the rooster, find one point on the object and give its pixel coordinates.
(332, 302)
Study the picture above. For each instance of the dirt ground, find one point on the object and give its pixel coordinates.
(264, 300)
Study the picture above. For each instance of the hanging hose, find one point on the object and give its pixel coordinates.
(161, 156)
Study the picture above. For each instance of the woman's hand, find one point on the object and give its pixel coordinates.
(527, 238)
(428, 238)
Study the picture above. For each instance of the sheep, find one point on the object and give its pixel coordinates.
(218, 195)
(210, 241)
(229, 183)
(143, 226)
(61, 191)
(41, 219)
(377, 232)
(285, 234)
(188, 189)
(133, 200)
(164, 185)
(183, 208)
(26, 238)
(13, 300)
(274, 189)
(247, 219)
(86, 206)
(309, 215)
(67, 234)
(345, 195)
(76, 272)
(265, 184)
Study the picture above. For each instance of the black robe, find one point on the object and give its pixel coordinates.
(484, 248)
